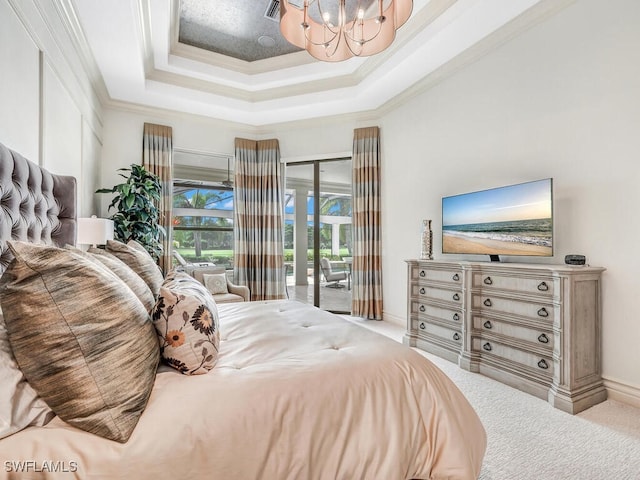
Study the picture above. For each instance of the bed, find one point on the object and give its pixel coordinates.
(295, 393)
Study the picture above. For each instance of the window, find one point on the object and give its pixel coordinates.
(335, 224)
(203, 222)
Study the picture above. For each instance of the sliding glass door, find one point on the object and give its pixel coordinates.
(318, 235)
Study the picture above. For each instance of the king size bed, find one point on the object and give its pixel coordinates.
(293, 393)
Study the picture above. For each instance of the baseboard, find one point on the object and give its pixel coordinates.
(401, 321)
(622, 392)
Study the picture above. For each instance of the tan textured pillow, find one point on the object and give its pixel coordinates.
(126, 274)
(81, 337)
(216, 282)
(20, 405)
(136, 257)
(186, 321)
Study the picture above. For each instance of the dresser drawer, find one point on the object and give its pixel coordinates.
(441, 294)
(543, 286)
(539, 337)
(452, 315)
(425, 328)
(534, 310)
(452, 276)
(541, 364)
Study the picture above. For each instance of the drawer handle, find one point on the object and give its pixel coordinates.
(422, 309)
(422, 290)
(487, 302)
(422, 326)
(543, 287)
(487, 347)
(543, 312)
(543, 364)
(456, 277)
(456, 336)
(542, 338)
(456, 297)
(456, 317)
(422, 273)
(487, 324)
(488, 281)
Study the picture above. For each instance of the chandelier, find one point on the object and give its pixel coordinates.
(335, 30)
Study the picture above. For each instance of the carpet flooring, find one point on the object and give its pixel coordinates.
(528, 439)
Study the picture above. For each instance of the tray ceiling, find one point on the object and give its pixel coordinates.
(178, 55)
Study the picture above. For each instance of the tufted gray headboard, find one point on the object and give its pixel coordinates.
(35, 205)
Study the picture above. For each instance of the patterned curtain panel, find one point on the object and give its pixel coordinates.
(157, 157)
(259, 218)
(367, 265)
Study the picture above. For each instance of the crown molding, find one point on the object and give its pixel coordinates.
(264, 95)
(356, 119)
(256, 67)
(172, 115)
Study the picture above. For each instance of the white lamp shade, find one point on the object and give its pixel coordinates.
(94, 231)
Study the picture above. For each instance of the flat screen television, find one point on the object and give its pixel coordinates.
(508, 220)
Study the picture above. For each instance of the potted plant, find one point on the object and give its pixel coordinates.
(137, 214)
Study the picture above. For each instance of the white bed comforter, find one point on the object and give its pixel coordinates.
(297, 394)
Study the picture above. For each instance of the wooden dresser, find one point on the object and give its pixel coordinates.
(534, 327)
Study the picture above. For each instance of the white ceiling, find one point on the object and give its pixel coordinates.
(135, 46)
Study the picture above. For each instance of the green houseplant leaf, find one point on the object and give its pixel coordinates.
(137, 215)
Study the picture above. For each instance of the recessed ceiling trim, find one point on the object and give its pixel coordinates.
(314, 86)
(424, 18)
(241, 66)
(422, 56)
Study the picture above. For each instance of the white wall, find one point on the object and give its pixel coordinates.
(50, 113)
(562, 100)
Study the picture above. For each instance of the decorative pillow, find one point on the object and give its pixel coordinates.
(216, 282)
(186, 321)
(82, 338)
(136, 257)
(20, 405)
(126, 274)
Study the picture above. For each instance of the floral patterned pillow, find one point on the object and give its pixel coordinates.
(186, 321)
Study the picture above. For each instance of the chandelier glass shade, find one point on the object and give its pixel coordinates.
(335, 30)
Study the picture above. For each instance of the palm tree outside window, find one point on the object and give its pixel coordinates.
(203, 222)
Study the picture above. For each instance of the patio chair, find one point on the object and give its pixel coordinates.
(189, 267)
(231, 294)
(333, 278)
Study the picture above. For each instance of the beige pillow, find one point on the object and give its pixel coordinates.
(186, 321)
(126, 274)
(20, 405)
(216, 282)
(135, 256)
(81, 337)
